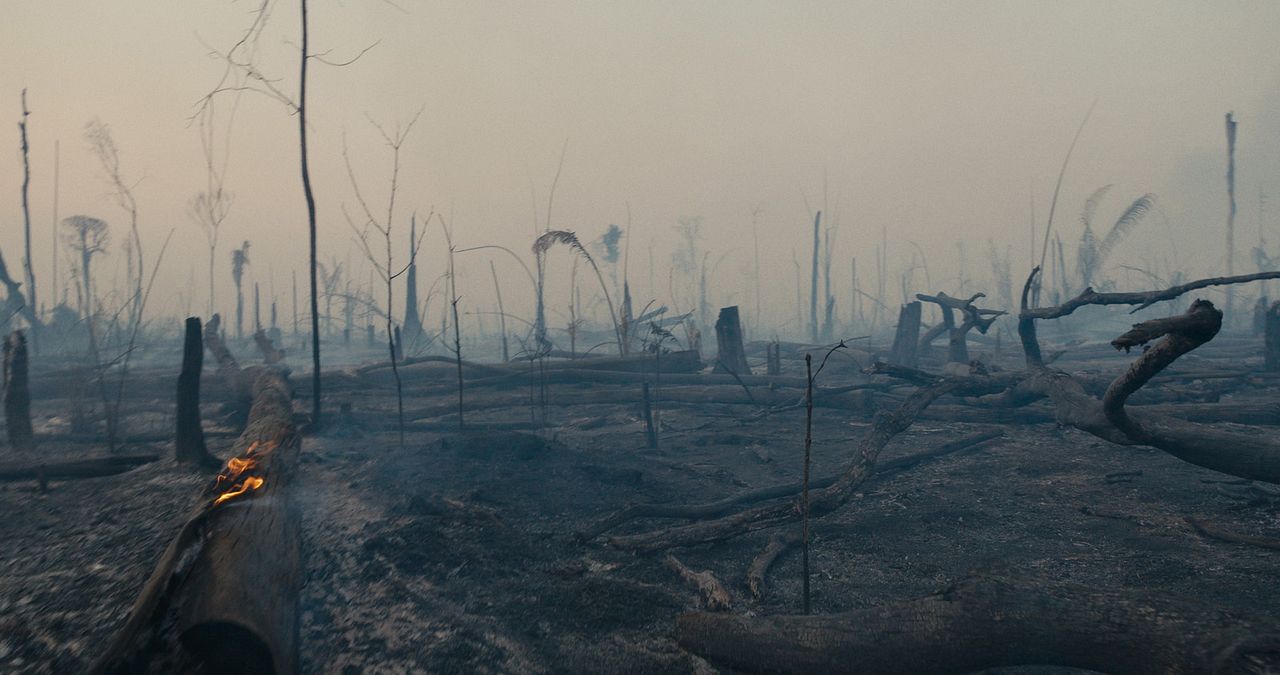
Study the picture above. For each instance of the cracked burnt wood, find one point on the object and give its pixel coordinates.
(988, 622)
(224, 595)
(906, 335)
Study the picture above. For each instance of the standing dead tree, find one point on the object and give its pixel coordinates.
(239, 260)
(17, 397)
(982, 319)
(188, 443)
(26, 220)
(384, 266)
(103, 144)
(241, 74)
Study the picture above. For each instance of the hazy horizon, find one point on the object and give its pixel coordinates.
(933, 123)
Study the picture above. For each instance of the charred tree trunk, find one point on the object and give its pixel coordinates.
(17, 397)
(1272, 358)
(224, 596)
(773, 359)
(988, 622)
(188, 443)
(906, 338)
(731, 356)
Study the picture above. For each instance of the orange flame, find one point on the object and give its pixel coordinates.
(236, 467)
(250, 483)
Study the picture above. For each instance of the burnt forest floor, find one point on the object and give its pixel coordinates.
(458, 552)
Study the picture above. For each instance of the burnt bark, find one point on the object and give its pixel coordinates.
(1272, 330)
(224, 595)
(76, 468)
(906, 339)
(188, 445)
(731, 357)
(17, 396)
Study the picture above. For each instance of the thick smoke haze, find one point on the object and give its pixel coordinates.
(932, 123)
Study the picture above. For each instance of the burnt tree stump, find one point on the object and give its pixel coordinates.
(905, 340)
(17, 397)
(773, 359)
(731, 356)
(188, 445)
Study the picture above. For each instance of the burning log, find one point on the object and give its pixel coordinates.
(17, 399)
(224, 595)
(988, 622)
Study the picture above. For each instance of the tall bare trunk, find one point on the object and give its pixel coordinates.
(1231, 213)
(813, 288)
(311, 223)
(26, 223)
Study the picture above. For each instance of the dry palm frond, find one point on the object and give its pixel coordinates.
(552, 237)
(1127, 221)
(1091, 204)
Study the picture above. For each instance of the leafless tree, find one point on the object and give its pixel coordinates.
(241, 74)
(86, 237)
(103, 145)
(239, 260)
(384, 266)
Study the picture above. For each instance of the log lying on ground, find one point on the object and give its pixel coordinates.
(861, 465)
(714, 596)
(89, 467)
(987, 622)
(223, 597)
(723, 506)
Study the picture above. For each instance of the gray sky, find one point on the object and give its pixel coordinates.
(933, 121)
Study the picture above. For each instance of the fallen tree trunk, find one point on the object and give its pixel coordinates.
(987, 622)
(224, 595)
(90, 467)
(861, 465)
(723, 506)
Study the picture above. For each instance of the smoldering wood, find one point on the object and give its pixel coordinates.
(989, 622)
(731, 357)
(205, 606)
(16, 395)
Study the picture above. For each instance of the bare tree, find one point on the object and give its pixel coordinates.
(26, 222)
(103, 145)
(384, 266)
(243, 74)
(86, 237)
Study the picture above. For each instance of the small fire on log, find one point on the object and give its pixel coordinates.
(236, 467)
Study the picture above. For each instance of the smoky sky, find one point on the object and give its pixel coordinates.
(922, 124)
